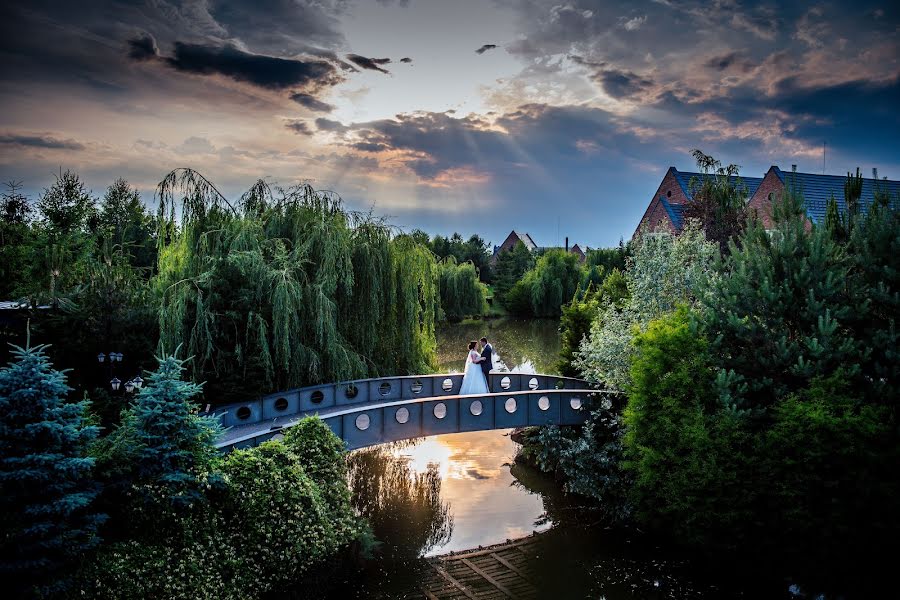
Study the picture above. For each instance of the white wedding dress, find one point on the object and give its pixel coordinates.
(473, 381)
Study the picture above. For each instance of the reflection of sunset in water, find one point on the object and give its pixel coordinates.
(477, 485)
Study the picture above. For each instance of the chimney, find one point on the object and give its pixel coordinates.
(567, 243)
(875, 173)
(793, 168)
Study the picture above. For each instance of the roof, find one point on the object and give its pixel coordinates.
(526, 239)
(684, 180)
(675, 212)
(817, 190)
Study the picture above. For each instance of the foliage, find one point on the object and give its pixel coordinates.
(608, 258)
(282, 512)
(511, 265)
(474, 250)
(460, 291)
(663, 272)
(672, 446)
(718, 201)
(550, 284)
(163, 449)
(46, 485)
(287, 288)
(578, 315)
(125, 223)
(15, 238)
(590, 459)
(780, 311)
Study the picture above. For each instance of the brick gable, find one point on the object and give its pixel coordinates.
(656, 218)
(771, 189)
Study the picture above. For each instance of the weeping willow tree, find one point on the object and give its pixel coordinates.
(462, 294)
(286, 287)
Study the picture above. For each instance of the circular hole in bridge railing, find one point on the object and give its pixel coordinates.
(362, 422)
(416, 387)
(243, 413)
(505, 383)
(440, 410)
(447, 386)
(278, 437)
(317, 397)
(351, 391)
(544, 403)
(281, 404)
(402, 415)
(560, 384)
(476, 408)
(533, 383)
(510, 405)
(384, 389)
(575, 403)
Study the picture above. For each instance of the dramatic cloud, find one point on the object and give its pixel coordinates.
(323, 124)
(40, 141)
(622, 84)
(143, 47)
(587, 95)
(298, 126)
(368, 63)
(263, 71)
(729, 61)
(311, 102)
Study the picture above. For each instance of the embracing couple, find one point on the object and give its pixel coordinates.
(478, 366)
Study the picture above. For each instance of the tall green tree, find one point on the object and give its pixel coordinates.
(289, 288)
(165, 446)
(46, 484)
(510, 267)
(461, 293)
(718, 201)
(16, 237)
(124, 222)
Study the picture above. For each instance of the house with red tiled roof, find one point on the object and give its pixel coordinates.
(666, 209)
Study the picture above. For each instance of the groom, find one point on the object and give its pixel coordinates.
(487, 353)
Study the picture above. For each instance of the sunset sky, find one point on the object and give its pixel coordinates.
(448, 115)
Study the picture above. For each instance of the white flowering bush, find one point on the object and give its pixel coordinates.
(663, 272)
(273, 513)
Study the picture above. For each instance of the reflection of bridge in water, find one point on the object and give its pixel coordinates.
(373, 411)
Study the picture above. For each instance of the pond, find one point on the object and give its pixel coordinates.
(521, 345)
(455, 492)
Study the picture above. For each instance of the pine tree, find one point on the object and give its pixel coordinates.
(166, 444)
(45, 476)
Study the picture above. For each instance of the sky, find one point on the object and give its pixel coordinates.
(556, 118)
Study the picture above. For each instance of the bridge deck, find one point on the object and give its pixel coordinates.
(499, 571)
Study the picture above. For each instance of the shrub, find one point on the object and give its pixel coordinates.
(46, 485)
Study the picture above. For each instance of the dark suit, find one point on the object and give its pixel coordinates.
(487, 353)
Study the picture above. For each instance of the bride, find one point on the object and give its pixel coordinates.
(473, 381)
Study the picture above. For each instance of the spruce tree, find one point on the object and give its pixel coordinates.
(167, 447)
(46, 485)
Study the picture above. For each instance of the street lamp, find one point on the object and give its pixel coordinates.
(115, 383)
(101, 357)
(129, 386)
(138, 382)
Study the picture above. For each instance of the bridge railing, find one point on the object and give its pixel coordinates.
(367, 391)
(370, 423)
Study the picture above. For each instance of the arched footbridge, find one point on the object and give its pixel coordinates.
(374, 411)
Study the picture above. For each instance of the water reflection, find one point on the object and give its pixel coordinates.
(521, 345)
(444, 493)
(402, 502)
